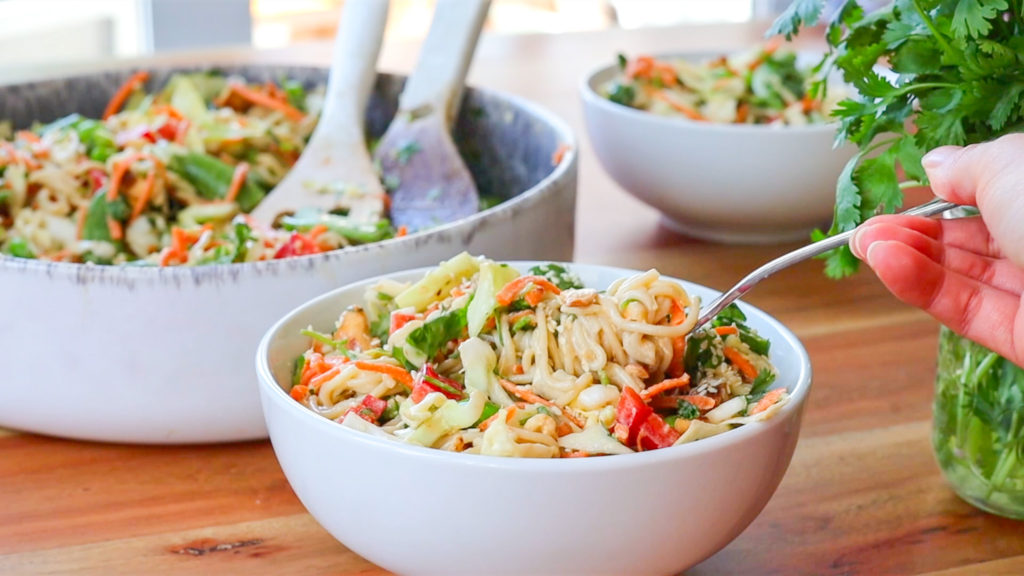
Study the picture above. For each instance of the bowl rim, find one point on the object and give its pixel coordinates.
(560, 172)
(272, 392)
(590, 96)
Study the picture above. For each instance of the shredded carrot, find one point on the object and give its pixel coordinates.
(518, 369)
(237, 181)
(170, 256)
(299, 392)
(677, 314)
(769, 48)
(403, 230)
(740, 362)
(121, 167)
(766, 401)
(742, 113)
(385, 200)
(144, 195)
(510, 414)
(701, 402)
(563, 428)
(677, 367)
(27, 136)
(320, 379)
(576, 454)
(807, 103)
(167, 109)
(115, 228)
(640, 67)
(487, 423)
(119, 98)
(559, 153)
(181, 130)
(398, 373)
(667, 384)
(679, 106)
(506, 295)
(317, 231)
(261, 99)
(726, 330)
(531, 397)
(516, 316)
(534, 296)
(83, 212)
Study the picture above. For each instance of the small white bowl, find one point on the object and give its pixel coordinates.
(415, 510)
(720, 182)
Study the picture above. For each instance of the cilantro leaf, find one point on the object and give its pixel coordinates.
(687, 410)
(762, 382)
(432, 336)
(558, 275)
(971, 18)
(799, 13)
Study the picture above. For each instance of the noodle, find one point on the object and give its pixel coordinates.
(574, 368)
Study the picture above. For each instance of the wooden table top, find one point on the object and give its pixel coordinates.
(863, 494)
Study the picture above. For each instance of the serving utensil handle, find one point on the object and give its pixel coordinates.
(437, 80)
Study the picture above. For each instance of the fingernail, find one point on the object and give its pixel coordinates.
(938, 157)
(872, 253)
(855, 243)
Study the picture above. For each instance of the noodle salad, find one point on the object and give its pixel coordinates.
(476, 357)
(763, 86)
(166, 178)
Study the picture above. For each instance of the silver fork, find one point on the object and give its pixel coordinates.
(936, 206)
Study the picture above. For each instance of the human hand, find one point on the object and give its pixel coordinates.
(967, 273)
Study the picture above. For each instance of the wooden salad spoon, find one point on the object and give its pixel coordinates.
(430, 184)
(336, 162)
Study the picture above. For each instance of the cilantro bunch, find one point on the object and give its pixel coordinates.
(929, 73)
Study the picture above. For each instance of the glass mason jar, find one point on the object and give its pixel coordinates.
(978, 422)
(978, 432)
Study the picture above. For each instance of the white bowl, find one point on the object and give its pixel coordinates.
(151, 355)
(719, 182)
(417, 510)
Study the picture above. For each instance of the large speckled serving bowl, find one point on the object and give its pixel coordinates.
(421, 511)
(151, 355)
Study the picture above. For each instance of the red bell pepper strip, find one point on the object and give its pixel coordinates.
(399, 319)
(370, 409)
(429, 381)
(655, 433)
(297, 245)
(630, 416)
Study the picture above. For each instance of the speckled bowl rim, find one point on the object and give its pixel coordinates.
(590, 96)
(198, 274)
(271, 389)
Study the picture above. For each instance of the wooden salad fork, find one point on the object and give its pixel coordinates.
(430, 183)
(336, 161)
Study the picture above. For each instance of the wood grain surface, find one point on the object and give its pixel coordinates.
(863, 494)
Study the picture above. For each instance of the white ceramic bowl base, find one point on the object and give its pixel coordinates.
(419, 511)
(720, 182)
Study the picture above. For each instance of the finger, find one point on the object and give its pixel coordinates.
(998, 273)
(989, 176)
(978, 312)
(968, 234)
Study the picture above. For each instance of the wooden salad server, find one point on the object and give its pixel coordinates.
(430, 184)
(336, 157)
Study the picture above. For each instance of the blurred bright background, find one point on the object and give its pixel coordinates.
(36, 33)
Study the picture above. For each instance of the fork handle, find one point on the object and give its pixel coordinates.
(931, 208)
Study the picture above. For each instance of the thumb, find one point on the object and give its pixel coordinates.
(991, 177)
